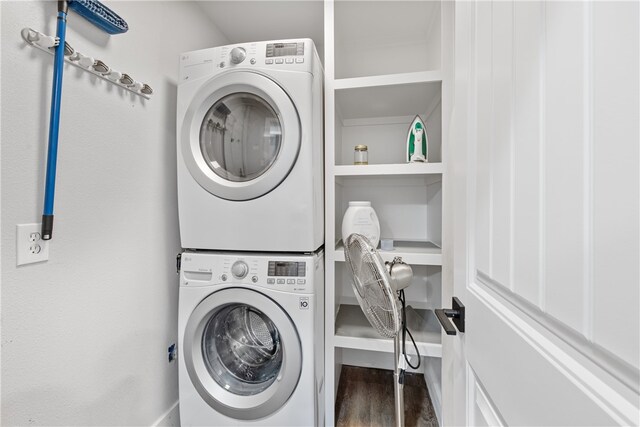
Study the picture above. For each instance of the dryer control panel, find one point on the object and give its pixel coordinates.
(283, 273)
(291, 55)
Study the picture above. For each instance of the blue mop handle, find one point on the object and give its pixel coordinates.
(54, 124)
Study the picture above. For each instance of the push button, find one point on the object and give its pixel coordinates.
(280, 281)
(268, 61)
(271, 281)
(291, 281)
(289, 60)
(279, 61)
(301, 281)
(299, 60)
(254, 279)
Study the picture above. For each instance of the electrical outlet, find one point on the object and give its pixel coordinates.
(30, 247)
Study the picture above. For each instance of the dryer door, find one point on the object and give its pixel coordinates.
(241, 135)
(243, 353)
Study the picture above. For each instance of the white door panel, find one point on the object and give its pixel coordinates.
(500, 116)
(545, 161)
(527, 101)
(564, 139)
(483, 411)
(533, 377)
(485, 131)
(615, 183)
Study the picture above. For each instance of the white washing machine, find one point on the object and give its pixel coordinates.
(251, 339)
(250, 147)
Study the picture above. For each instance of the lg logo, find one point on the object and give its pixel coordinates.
(304, 303)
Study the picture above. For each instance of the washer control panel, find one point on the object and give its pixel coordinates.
(293, 274)
(285, 274)
(287, 268)
(239, 269)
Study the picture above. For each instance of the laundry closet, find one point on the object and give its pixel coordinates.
(385, 62)
(387, 68)
(383, 68)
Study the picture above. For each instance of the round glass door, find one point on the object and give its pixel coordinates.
(242, 353)
(241, 135)
(242, 349)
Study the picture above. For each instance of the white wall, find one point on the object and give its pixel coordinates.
(85, 335)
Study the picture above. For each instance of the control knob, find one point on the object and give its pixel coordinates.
(239, 269)
(238, 55)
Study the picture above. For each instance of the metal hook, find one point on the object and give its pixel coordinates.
(68, 50)
(47, 44)
(126, 80)
(101, 67)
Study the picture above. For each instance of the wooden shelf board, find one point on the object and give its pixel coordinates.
(353, 330)
(390, 169)
(415, 253)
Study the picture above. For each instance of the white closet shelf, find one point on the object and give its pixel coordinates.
(416, 304)
(353, 330)
(382, 97)
(388, 79)
(414, 253)
(391, 36)
(390, 169)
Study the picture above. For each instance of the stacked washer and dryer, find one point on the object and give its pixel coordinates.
(251, 211)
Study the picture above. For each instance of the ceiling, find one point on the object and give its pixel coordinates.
(246, 21)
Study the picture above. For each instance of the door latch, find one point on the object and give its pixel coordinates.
(178, 263)
(456, 313)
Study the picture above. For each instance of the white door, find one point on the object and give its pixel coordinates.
(241, 135)
(545, 159)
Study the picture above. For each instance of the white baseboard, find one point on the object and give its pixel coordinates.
(171, 418)
(432, 376)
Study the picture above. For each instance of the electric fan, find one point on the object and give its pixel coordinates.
(379, 288)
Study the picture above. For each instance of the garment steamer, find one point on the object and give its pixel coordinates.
(103, 18)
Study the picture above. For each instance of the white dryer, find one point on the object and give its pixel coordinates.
(251, 339)
(250, 147)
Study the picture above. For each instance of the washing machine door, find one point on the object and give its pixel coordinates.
(241, 135)
(242, 353)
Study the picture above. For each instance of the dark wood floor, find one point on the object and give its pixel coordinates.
(365, 398)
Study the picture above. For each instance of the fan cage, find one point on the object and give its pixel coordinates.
(372, 286)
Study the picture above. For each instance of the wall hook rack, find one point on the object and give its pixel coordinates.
(87, 63)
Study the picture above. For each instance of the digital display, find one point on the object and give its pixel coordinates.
(285, 49)
(286, 268)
